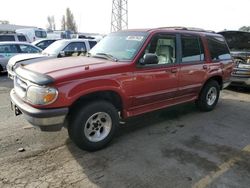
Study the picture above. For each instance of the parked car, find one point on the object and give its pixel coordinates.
(127, 73)
(6, 37)
(44, 43)
(239, 44)
(10, 49)
(58, 49)
(33, 34)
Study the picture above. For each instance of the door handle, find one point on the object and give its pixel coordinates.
(174, 70)
(205, 67)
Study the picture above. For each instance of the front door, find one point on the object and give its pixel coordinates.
(156, 84)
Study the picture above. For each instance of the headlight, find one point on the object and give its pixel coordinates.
(38, 95)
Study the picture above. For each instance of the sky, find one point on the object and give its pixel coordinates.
(95, 15)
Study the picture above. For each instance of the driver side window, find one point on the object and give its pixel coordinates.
(164, 47)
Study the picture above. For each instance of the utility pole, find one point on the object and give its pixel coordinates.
(119, 18)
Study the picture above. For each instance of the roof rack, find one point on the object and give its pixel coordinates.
(7, 32)
(187, 29)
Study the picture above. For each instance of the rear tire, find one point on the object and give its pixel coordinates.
(94, 125)
(209, 96)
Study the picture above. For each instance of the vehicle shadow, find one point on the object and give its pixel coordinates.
(112, 166)
(245, 90)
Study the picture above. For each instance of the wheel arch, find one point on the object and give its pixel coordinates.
(108, 95)
(217, 78)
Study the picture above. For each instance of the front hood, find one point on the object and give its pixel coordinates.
(24, 57)
(240, 53)
(71, 66)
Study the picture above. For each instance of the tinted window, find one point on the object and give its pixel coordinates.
(21, 38)
(44, 44)
(41, 34)
(7, 38)
(164, 46)
(75, 46)
(92, 44)
(28, 49)
(192, 49)
(8, 48)
(218, 48)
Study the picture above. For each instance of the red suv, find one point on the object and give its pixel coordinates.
(127, 73)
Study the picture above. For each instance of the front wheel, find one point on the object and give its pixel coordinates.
(209, 96)
(93, 127)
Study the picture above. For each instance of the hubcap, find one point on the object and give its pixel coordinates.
(98, 126)
(211, 96)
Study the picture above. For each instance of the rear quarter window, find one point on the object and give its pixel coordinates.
(92, 44)
(21, 38)
(218, 48)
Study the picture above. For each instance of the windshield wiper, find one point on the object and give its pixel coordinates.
(106, 56)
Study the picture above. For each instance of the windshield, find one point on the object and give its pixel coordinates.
(55, 47)
(122, 46)
(237, 40)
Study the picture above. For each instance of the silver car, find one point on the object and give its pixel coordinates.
(10, 49)
(58, 49)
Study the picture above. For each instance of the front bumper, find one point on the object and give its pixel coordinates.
(240, 81)
(46, 119)
(11, 73)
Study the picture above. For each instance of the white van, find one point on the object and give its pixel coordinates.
(33, 33)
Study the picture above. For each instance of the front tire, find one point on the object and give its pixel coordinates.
(209, 96)
(94, 125)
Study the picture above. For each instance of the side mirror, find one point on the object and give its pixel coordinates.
(62, 53)
(149, 59)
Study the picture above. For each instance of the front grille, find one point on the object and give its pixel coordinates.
(239, 72)
(20, 86)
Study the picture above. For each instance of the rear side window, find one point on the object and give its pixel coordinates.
(7, 38)
(8, 48)
(44, 44)
(21, 38)
(92, 44)
(75, 47)
(218, 48)
(192, 49)
(41, 34)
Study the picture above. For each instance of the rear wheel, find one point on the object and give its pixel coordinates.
(93, 127)
(209, 96)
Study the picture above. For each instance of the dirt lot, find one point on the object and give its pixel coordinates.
(178, 147)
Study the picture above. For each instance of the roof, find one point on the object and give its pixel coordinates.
(14, 42)
(232, 31)
(175, 28)
(12, 27)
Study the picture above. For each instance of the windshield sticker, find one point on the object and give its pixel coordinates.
(135, 38)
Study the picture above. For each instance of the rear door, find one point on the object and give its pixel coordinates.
(193, 70)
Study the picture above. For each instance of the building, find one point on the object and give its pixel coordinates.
(12, 27)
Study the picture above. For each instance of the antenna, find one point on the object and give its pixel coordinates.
(119, 18)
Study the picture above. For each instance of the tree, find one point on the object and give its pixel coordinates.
(245, 28)
(63, 25)
(51, 23)
(68, 21)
